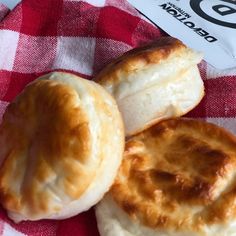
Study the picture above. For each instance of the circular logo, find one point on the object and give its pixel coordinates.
(220, 12)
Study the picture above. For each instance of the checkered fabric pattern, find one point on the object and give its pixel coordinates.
(82, 37)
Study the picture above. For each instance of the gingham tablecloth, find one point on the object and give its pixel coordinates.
(40, 36)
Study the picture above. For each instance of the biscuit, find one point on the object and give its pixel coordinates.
(176, 178)
(62, 141)
(154, 82)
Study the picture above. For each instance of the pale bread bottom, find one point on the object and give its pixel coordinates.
(172, 98)
(113, 221)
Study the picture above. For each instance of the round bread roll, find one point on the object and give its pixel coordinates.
(62, 142)
(176, 179)
(155, 82)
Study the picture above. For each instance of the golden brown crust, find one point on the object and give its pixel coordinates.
(138, 58)
(55, 141)
(45, 139)
(178, 174)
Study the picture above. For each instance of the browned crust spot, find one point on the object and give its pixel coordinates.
(174, 167)
(138, 58)
(45, 136)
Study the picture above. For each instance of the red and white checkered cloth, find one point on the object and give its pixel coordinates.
(81, 37)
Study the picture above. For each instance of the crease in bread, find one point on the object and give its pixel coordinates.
(176, 178)
(62, 141)
(162, 78)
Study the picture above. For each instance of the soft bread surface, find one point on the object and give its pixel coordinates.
(176, 178)
(155, 82)
(61, 142)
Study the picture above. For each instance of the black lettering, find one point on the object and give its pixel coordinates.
(178, 16)
(164, 6)
(223, 10)
(172, 12)
(220, 9)
(189, 24)
(210, 39)
(187, 15)
(201, 32)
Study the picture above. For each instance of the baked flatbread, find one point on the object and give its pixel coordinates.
(61, 142)
(154, 82)
(176, 178)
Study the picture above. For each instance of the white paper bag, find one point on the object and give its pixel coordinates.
(205, 25)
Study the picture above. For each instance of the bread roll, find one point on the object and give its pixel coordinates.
(61, 143)
(155, 82)
(177, 179)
